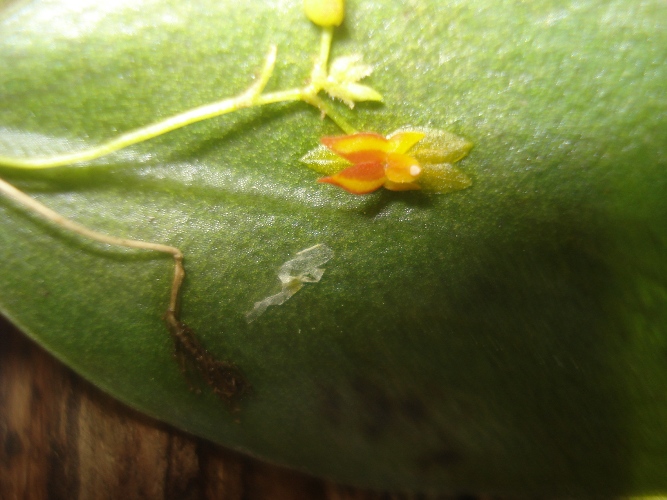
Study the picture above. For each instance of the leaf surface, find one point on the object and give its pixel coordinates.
(509, 337)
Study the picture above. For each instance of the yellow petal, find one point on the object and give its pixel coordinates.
(401, 142)
(346, 145)
(402, 168)
(401, 186)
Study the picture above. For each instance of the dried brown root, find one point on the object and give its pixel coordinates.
(224, 378)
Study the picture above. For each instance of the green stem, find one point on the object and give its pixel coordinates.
(249, 98)
(153, 130)
(329, 111)
(319, 73)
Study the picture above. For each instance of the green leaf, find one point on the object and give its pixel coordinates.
(510, 337)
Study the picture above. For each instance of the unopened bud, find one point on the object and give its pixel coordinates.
(325, 12)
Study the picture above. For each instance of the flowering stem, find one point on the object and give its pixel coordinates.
(251, 97)
(319, 73)
(156, 129)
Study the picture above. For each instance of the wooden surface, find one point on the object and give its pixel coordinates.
(60, 437)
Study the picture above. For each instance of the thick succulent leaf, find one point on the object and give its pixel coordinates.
(506, 337)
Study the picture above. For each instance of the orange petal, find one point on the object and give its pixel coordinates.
(401, 142)
(346, 145)
(361, 178)
(370, 156)
(402, 168)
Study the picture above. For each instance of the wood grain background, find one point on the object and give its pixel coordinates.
(61, 437)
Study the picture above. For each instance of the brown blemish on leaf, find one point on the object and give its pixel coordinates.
(331, 405)
(443, 458)
(414, 409)
(378, 409)
(224, 378)
(379, 415)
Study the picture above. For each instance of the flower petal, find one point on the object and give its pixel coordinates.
(401, 142)
(348, 69)
(361, 178)
(402, 168)
(350, 92)
(401, 186)
(346, 145)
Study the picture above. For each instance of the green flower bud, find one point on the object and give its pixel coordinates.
(325, 12)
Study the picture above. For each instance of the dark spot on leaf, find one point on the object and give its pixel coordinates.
(443, 458)
(223, 377)
(377, 406)
(414, 409)
(331, 405)
(468, 496)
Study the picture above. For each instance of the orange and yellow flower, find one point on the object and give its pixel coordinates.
(405, 160)
(376, 161)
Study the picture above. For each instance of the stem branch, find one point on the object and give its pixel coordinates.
(251, 97)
